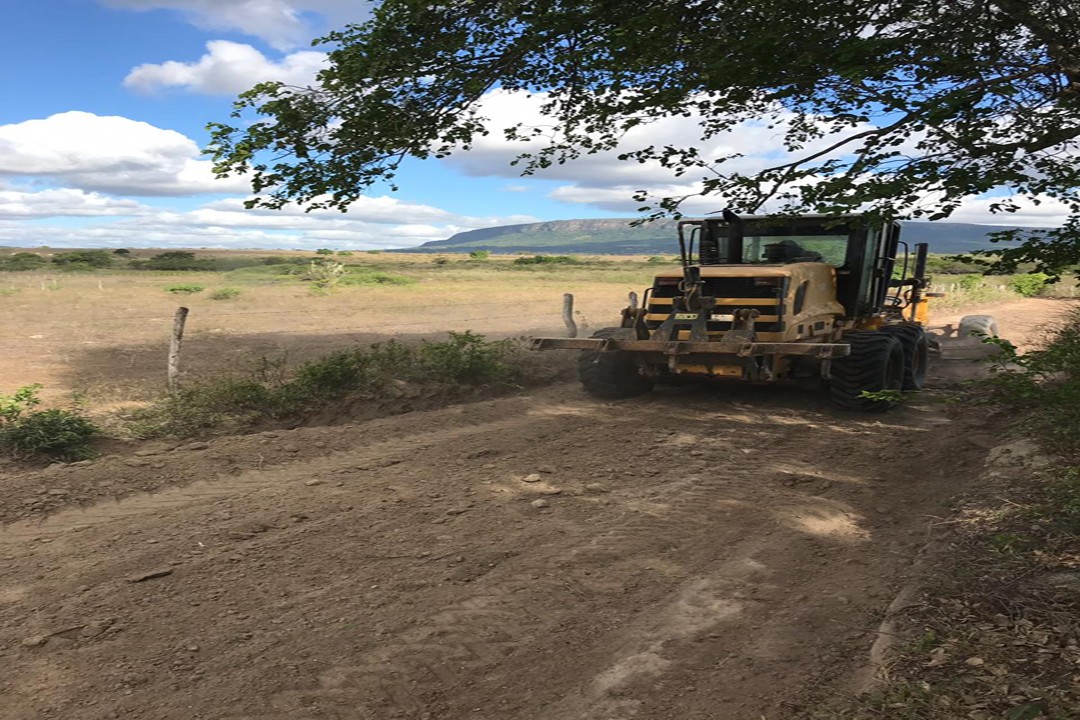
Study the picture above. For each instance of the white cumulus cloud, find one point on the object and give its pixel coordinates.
(227, 68)
(68, 202)
(379, 222)
(109, 154)
(281, 23)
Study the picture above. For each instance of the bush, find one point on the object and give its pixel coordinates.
(970, 282)
(1044, 385)
(344, 253)
(1028, 285)
(175, 260)
(547, 260)
(225, 293)
(21, 261)
(464, 359)
(93, 258)
(324, 251)
(51, 434)
(185, 289)
(480, 254)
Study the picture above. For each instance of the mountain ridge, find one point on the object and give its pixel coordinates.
(615, 236)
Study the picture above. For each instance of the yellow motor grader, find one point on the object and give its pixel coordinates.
(765, 299)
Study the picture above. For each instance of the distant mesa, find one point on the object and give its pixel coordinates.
(615, 236)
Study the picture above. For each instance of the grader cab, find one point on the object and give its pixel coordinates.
(761, 300)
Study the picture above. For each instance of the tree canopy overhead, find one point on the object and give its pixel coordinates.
(901, 107)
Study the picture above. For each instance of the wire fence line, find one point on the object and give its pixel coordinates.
(360, 323)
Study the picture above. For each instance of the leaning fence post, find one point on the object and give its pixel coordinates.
(633, 300)
(568, 314)
(174, 347)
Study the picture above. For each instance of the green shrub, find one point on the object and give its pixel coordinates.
(92, 258)
(185, 289)
(970, 281)
(1028, 285)
(175, 260)
(324, 251)
(656, 260)
(463, 359)
(1044, 386)
(547, 260)
(225, 293)
(440, 261)
(480, 254)
(22, 261)
(51, 434)
(374, 252)
(344, 253)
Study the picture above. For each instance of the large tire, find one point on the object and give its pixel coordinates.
(916, 348)
(876, 364)
(977, 326)
(612, 375)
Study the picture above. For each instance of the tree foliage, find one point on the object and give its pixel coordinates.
(177, 260)
(900, 107)
(86, 258)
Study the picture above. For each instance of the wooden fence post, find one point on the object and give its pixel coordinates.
(174, 347)
(633, 300)
(568, 314)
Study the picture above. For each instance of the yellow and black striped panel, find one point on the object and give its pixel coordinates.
(764, 294)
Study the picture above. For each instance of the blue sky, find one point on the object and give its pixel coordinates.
(104, 109)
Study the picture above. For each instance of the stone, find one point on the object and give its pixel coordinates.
(153, 574)
(596, 488)
(291, 448)
(35, 641)
(546, 469)
(194, 446)
(57, 492)
(314, 481)
(534, 477)
(146, 453)
(540, 503)
(551, 491)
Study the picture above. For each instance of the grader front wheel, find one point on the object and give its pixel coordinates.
(916, 348)
(875, 367)
(612, 375)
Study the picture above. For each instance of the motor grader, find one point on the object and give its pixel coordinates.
(766, 299)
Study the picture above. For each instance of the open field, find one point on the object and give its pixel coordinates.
(103, 335)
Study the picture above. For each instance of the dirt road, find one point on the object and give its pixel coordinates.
(693, 554)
